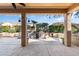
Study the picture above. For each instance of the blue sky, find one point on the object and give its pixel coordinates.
(39, 18)
(45, 18)
(9, 18)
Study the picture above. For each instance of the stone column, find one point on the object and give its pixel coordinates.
(67, 29)
(23, 30)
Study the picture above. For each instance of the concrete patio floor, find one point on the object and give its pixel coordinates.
(48, 47)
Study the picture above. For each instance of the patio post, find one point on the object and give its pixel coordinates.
(67, 30)
(23, 30)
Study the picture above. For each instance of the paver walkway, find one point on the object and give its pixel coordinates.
(49, 47)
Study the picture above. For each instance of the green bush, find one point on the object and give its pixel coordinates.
(17, 28)
(8, 29)
(5, 29)
(12, 30)
(56, 28)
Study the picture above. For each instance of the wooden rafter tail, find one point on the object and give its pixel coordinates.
(22, 4)
(13, 4)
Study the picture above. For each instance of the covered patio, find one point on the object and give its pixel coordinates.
(11, 47)
(48, 47)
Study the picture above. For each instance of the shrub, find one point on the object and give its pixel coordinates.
(12, 30)
(5, 29)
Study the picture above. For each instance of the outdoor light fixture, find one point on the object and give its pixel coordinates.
(28, 21)
(19, 20)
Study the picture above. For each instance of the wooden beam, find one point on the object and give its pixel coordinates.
(23, 31)
(67, 30)
(73, 8)
(31, 10)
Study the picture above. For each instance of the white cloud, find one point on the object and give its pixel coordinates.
(61, 19)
